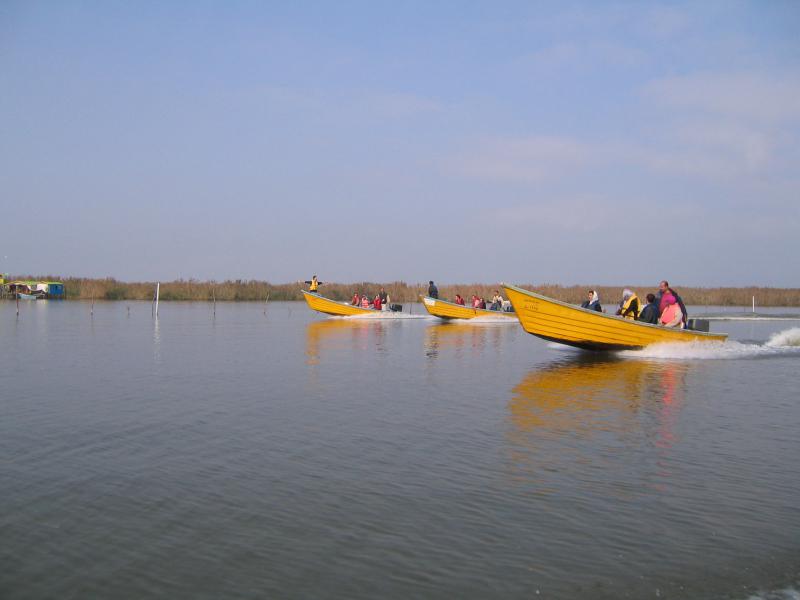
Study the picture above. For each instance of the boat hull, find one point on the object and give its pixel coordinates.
(450, 310)
(334, 307)
(564, 323)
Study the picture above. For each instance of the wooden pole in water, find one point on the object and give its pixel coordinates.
(91, 311)
(17, 303)
(158, 287)
(214, 298)
(754, 304)
(265, 304)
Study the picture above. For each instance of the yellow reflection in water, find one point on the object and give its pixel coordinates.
(462, 338)
(568, 404)
(330, 333)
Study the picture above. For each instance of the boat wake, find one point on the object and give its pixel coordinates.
(385, 316)
(486, 320)
(783, 343)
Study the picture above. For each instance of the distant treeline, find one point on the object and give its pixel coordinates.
(399, 291)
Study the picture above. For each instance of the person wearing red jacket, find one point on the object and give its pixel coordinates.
(376, 304)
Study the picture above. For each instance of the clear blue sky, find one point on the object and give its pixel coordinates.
(608, 143)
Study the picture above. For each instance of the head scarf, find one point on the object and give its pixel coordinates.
(626, 293)
(595, 297)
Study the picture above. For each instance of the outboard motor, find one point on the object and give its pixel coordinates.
(396, 307)
(698, 325)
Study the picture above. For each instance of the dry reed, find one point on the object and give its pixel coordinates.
(399, 291)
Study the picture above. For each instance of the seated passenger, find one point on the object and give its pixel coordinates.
(664, 289)
(649, 313)
(364, 301)
(433, 291)
(629, 306)
(592, 302)
(356, 299)
(672, 315)
(497, 301)
(482, 303)
(459, 300)
(376, 303)
(476, 302)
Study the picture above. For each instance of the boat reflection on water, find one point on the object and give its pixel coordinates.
(356, 334)
(462, 338)
(579, 409)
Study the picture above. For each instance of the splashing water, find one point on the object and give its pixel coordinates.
(788, 338)
(385, 316)
(789, 593)
(783, 343)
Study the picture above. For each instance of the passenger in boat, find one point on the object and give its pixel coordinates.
(384, 297)
(672, 316)
(356, 299)
(476, 302)
(364, 301)
(663, 289)
(592, 301)
(649, 313)
(313, 285)
(629, 305)
(433, 291)
(459, 300)
(482, 303)
(497, 301)
(376, 303)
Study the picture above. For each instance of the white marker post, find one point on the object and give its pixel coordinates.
(754, 304)
(158, 287)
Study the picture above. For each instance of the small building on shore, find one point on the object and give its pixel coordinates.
(39, 290)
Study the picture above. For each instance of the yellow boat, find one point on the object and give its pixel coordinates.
(334, 307)
(564, 323)
(450, 310)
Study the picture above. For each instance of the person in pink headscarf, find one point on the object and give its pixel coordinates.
(672, 315)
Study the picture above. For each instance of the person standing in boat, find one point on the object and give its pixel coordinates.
(649, 313)
(663, 290)
(433, 291)
(384, 298)
(592, 301)
(313, 285)
(629, 306)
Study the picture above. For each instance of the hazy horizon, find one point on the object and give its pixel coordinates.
(574, 143)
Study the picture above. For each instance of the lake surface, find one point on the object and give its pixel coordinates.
(276, 453)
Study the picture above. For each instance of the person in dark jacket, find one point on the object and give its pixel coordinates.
(650, 312)
(592, 302)
(433, 291)
(663, 290)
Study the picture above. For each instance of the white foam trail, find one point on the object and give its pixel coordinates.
(386, 316)
(789, 593)
(784, 343)
(787, 338)
(487, 320)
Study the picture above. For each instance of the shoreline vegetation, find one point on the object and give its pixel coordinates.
(192, 290)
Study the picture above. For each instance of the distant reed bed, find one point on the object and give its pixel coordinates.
(399, 291)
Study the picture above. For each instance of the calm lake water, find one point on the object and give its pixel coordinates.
(282, 454)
